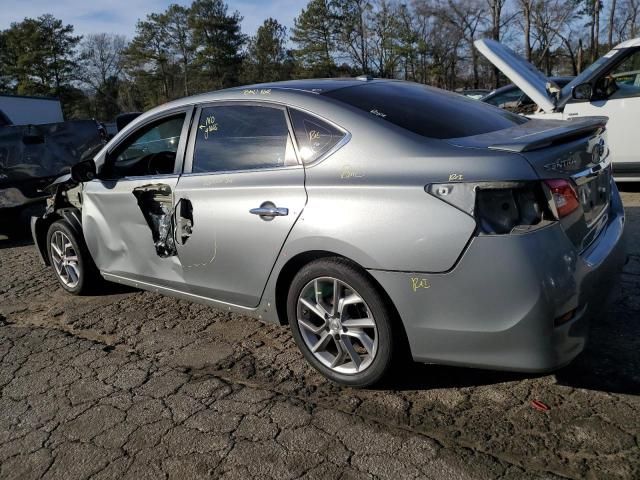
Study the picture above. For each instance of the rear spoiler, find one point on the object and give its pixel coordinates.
(565, 131)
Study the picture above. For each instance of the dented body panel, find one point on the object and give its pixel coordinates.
(460, 293)
(519, 285)
(118, 235)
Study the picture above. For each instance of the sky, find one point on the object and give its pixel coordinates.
(120, 16)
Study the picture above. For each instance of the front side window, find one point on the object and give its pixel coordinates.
(508, 99)
(315, 137)
(624, 80)
(242, 137)
(149, 151)
(587, 73)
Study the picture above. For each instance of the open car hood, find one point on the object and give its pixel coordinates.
(527, 77)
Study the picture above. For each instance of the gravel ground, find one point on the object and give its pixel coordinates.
(132, 384)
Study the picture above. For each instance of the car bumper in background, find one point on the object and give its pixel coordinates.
(626, 171)
(513, 302)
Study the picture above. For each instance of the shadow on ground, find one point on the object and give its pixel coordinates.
(10, 240)
(629, 186)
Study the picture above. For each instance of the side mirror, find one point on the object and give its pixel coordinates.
(84, 171)
(584, 91)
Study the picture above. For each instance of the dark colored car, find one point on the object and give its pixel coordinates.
(511, 98)
(31, 157)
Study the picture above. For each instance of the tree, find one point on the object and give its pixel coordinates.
(314, 36)
(220, 39)
(384, 47)
(266, 54)
(180, 39)
(612, 15)
(467, 17)
(39, 55)
(527, 9)
(408, 47)
(625, 19)
(496, 8)
(100, 62)
(5, 77)
(591, 9)
(352, 32)
(148, 57)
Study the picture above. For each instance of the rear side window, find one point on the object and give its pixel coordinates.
(315, 137)
(242, 137)
(427, 111)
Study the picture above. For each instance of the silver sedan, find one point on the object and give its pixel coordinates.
(378, 219)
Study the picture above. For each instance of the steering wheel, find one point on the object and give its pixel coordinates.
(161, 163)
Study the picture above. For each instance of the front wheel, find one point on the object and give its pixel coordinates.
(70, 259)
(341, 323)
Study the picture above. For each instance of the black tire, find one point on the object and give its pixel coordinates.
(349, 273)
(88, 276)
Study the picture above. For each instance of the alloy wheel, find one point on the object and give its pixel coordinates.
(65, 259)
(337, 325)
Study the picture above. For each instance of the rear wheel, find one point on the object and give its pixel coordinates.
(340, 322)
(70, 259)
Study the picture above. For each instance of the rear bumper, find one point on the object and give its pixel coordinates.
(497, 308)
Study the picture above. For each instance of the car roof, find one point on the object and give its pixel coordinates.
(314, 85)
(306, 86)
(634, 42)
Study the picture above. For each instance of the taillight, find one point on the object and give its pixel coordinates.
(498, 207)
(564, 195)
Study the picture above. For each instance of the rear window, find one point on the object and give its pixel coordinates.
(427, 111)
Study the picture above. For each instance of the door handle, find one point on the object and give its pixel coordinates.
(270, 211)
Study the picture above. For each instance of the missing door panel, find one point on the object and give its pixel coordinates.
(156, 203)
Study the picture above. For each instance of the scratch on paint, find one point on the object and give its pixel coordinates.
(215, 251)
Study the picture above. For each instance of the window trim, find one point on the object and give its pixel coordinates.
(343, 141)
(188, 159)
(604, 70)
(180, 152)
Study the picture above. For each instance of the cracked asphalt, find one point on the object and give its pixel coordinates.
(131, 384)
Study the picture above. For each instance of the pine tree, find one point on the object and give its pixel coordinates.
(220, 39)
(314, 35)
(266, 59)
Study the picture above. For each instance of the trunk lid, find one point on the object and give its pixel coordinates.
(527, 77)
(572, 150)
(554, 148)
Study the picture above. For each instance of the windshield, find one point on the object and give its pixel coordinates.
(427, 111)
(586, 74)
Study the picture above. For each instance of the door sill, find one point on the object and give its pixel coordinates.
(172, 292)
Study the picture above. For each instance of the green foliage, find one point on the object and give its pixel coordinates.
(38, 55)
(220, 40)
(314, 34)
(266, 59)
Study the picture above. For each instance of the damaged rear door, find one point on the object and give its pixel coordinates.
(241, 193)
(127, 213)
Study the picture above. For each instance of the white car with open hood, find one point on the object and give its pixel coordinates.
(610, 87)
